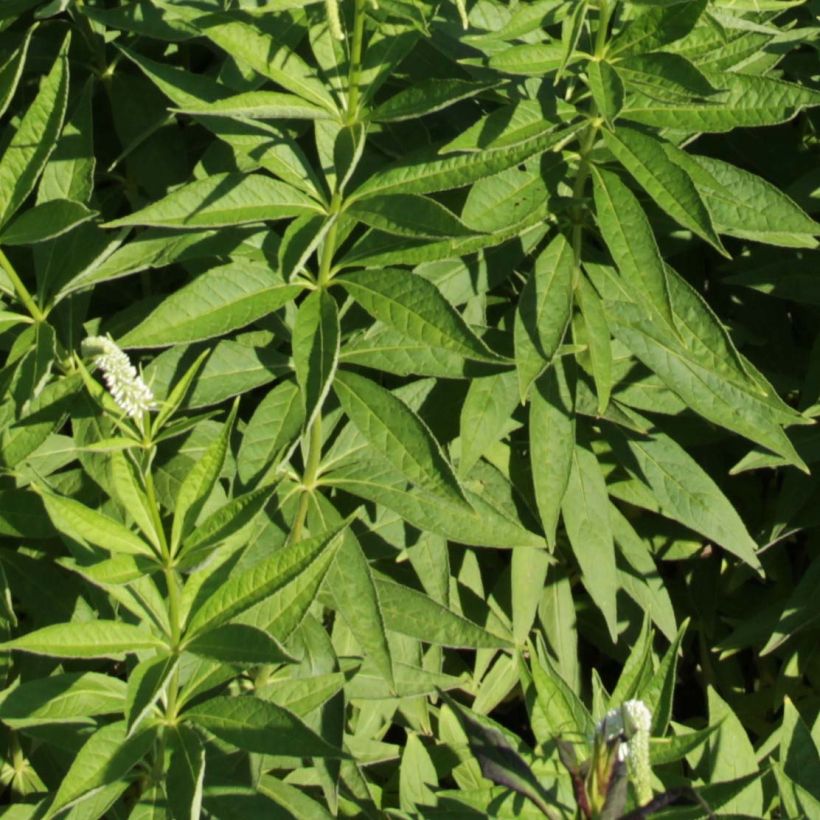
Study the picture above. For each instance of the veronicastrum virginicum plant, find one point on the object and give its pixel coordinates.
(360, 353)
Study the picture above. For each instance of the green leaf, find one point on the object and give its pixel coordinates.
(552, 443)
(397, 434)
(242, 591)
(798, 752)
(315, 343)
(259, 726)
(685, 492)
(411, 215)
(197, 485)
(629, 237)
(185, 776)
(106, 757)
(499, 760)
(485, 415)
(351, 583)
(258, 105)
(425, 97)
(218, 301)
(563, 711)
(238, 644)
(592, 329)
(69, 173)
(11, 70)
(275, 423)
(416, 308)
(69, 697)
(659, 691)
(86, 639)
(46, 221)
(413, 613)
(481, 526)
(731, 755)
(222, 200)
(425, 171)
(241, 34)
(664, 76)
(657, 27)
(146, 684)
(85, 525)
(745, 205)
(35, 138)
(228, 522)
(664, 180)
(585, 509)
(543, 311)
(528, 60)
(607, 89)
(745, 100)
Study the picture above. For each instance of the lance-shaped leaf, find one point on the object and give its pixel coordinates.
(146, 684)
(351, 583)
(259, 105)
(69, 173)
(500, 762)
(426, 97)
(255, 725)
(106, 757)
(607, 89)
(668, 184)
(241, 35)
(315, 342)
(480, 525)
(747, 206)
(397, 434)
(222, 200)
(552, 442)
(35, 137)
(408, 215)
(220, 300)
(586, 516)
(413, 613)
(744, 100)
(242, 591)
(197, 485)
(543, 311)
(238, 644)
(46, 221)
(485, 415)
(89, 639)
(685, 492)
(69, 697)
(11, 70)
(185, 776)
(629, 237)
(657, 26)
(664, 76)
(225, 523)
(88, 526)
(416, 308)
(591, 329)
(425, 171)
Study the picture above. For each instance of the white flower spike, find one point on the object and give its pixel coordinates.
(126, 386)
(632, 722)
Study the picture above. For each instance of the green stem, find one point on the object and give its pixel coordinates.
(22, 291)
(356, 48)
(587, 143)
(605, 9)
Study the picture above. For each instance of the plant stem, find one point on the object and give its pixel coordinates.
(587, 143)
(355, 62)
(605, 9)
(22, 291)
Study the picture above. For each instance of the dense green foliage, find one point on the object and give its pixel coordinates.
(478, 360)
